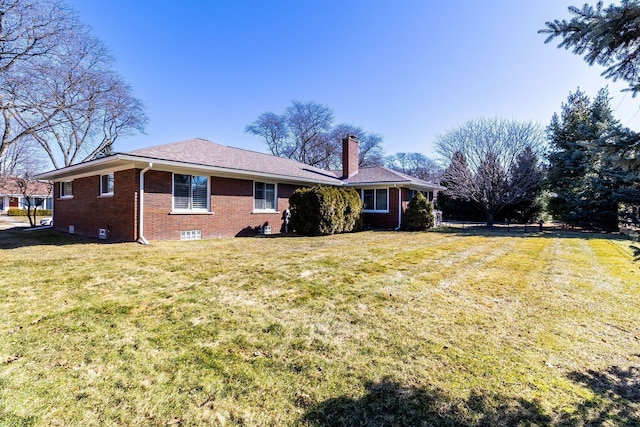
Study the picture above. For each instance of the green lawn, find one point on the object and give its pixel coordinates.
(453, 327)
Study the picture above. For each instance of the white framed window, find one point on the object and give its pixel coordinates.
(106, 184)
(190, 193)
(66, 189)
(376, 199)
(265, 197)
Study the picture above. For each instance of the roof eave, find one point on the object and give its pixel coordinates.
(123, 161)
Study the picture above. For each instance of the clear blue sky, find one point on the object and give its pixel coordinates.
(406, 69)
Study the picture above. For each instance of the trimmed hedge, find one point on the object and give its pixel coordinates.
(418, 215)
(323, 210)
(23, 212)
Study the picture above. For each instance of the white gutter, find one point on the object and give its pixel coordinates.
(399, 208)
(141, 238)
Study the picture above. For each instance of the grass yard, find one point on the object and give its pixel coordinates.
(455, 327)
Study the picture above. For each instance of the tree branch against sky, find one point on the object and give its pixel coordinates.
(415, 164)
(606, 36)
(29, 30)
(305, 132)
(58, 86)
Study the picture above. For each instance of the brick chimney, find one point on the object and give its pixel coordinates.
(349, 156)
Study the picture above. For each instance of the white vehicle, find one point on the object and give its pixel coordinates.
(46, 221)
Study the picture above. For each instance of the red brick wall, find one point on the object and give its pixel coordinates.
(231, 209)
(88, 212)
(384, 220)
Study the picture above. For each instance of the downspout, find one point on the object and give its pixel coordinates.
(53, 203)
(399, 207)
(141, 238)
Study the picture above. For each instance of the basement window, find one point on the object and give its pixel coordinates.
(191, 235)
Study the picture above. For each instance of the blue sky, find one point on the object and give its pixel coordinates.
(407, 69)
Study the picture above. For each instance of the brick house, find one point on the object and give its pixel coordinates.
(12, 197)
(200, 189)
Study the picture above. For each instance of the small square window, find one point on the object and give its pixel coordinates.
(66, 189)
(106, 184)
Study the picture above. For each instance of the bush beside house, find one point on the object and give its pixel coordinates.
(418, 215)
(323, 210)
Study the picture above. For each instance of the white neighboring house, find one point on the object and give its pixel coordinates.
(11, 197)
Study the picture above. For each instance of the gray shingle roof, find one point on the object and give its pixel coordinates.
(375, 175)
(201, 153)
(207, 153)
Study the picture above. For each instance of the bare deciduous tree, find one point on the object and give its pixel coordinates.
(24, 155)
(29, 31)
(370, 151)
(33, 194)
(305, 132)
(493, 162)
(57, 84)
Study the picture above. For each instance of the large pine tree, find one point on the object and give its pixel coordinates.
(610, 36)
(583, 186)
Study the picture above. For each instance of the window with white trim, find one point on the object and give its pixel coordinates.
(376, 199)
(190, 192)
(264, 196)
(106, 184)
(66, 189)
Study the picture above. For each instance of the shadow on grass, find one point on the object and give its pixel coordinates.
(636, 252)
(617, 402)
(388, 403)
(21, 237)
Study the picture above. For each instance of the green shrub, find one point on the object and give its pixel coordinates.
(322, 210)
(23, 212)
(419, 214)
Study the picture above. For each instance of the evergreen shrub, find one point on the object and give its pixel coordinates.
(323, 210)
(418, 215)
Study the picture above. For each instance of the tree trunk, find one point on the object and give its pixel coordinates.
(489, 220)
(31, 220)
(35, 216)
